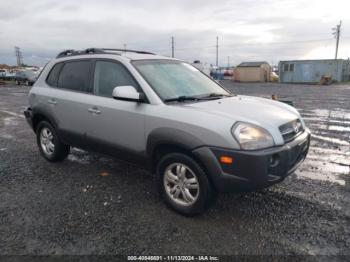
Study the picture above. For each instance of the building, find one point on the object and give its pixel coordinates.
(252, 72)
(312, 71)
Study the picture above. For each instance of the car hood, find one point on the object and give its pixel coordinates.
(263, 112)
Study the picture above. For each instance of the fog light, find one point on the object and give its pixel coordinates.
(274, 160)
(226, 160)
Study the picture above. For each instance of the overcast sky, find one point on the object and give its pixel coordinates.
(248, 30)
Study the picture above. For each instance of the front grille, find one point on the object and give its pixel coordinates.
(291, 130)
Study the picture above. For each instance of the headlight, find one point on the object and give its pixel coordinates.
(251, 137)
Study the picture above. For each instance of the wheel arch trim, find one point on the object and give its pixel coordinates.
(171, 136)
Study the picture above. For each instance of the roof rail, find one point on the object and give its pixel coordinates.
(94, 51)
(71, 52)
(65, 53)
(127, 50)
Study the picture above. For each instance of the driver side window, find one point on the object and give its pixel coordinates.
(109, 75)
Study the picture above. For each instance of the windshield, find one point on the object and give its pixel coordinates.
(171, 79)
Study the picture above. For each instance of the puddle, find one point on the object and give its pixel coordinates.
(331, 155)
(82, 159)
(339, 128)
(10, 121)
(331, 162)
(78, 150)
(340, 160)
(7, 122)
(12, 113)
(326, 167)
(322, 112)
(339, 115)
(330, 121)
(85, 157)
(316, 176)
(315, 169)
(6, 136)
(18, 94)
(331, 140)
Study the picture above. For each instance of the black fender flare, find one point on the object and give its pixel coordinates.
(38, 111)
(171, 136)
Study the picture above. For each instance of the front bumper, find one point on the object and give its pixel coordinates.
(28, 113)
(253, 169)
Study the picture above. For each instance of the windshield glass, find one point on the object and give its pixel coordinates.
(171, 79)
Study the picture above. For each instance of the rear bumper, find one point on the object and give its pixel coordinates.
(28, 113)
(253, 169)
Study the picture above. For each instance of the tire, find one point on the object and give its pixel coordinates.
(50, 146)
(18, 82)
(200, 199)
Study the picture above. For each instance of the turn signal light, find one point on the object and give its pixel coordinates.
(226, 160)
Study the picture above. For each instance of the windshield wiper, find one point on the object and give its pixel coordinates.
(215, 96)
(197, 98)
(181, 99)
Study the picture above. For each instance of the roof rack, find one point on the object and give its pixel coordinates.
(71, 52)
(127, 50)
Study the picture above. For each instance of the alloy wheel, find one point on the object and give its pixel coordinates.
(46, 141)
(181, 184)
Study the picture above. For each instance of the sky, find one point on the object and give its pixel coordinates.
(248, 30)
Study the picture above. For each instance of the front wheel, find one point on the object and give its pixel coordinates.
(183, 184)
(50, 146)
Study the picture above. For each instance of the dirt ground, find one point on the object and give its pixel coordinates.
(70, 208)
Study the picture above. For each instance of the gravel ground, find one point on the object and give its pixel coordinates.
(94, 204)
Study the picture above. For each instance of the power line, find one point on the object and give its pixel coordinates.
(277, 43)
(163, 48)
(195, 47)
(251, 44)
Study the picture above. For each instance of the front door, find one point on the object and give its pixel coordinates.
(114, 124)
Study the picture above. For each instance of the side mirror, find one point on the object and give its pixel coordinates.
(127, 93)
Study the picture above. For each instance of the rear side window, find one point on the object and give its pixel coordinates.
(75, 76)
(53, 75)
(109, 75)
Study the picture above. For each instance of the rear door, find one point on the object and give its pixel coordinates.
(114, 123)
(70, 97)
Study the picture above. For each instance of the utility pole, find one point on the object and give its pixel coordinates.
(172, 47)
(18, 54)
(228, 61)
(336, 33)
(217, 51)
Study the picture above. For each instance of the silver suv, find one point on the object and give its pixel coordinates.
(169, 117)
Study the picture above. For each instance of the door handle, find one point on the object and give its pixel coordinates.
(94, 110)
(52, 101)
